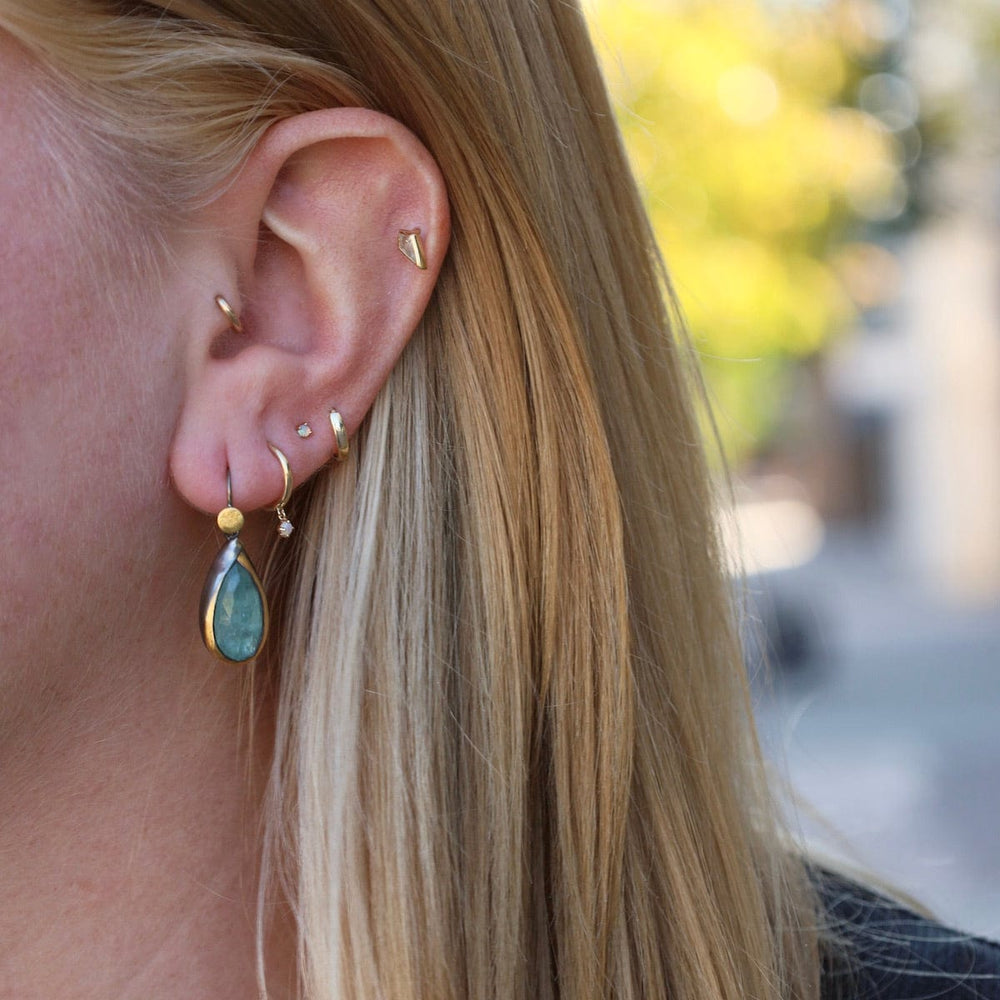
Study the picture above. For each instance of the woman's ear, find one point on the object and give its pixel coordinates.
(318, 246)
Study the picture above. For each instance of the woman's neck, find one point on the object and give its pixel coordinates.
(128, 838)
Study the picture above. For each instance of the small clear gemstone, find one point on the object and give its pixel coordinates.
(304, 430)
(285, 528)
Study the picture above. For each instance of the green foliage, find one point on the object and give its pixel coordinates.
(752, 163)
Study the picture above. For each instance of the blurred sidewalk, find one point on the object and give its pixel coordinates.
(889, 727)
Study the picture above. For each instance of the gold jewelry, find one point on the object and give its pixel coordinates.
(234, 614)
(341, 446)
(285, 527)
(230, 313)
(411, 248)
(304, 430)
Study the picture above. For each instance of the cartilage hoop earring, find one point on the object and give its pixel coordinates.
(234, 613)
(230, 313)
(341, 446)
(285, 526)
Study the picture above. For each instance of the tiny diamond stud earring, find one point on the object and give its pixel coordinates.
(304, 430)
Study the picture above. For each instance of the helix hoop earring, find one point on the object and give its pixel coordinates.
(234, 613)
(341, 446)
(285, 526)
(230, 313)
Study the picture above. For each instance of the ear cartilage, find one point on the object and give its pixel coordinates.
(411, 248)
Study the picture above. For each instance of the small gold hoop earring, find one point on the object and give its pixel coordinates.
(285, 527)
(342, 446)
(230, 313)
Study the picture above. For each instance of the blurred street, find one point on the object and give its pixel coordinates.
(888, 724)
(824, 180)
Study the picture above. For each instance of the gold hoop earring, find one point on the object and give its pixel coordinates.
(341, 446)
(234, 613)
(230, 313)
(285, 526)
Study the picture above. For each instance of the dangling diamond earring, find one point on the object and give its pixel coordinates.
(234, 615)
(285, 526)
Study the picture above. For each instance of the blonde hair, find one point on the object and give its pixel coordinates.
(514, 755)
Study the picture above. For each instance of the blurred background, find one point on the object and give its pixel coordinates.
(824, 179)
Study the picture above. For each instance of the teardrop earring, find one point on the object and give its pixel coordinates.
(234, 615)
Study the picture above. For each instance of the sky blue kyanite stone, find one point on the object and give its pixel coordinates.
(239, 615)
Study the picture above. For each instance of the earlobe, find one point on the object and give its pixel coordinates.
(321, 236)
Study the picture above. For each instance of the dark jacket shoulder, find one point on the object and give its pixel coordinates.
(880, 950)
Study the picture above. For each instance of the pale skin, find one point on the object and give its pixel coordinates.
(127, 828)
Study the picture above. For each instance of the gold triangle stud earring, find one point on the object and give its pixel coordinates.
(411, 247)
(234, 612)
